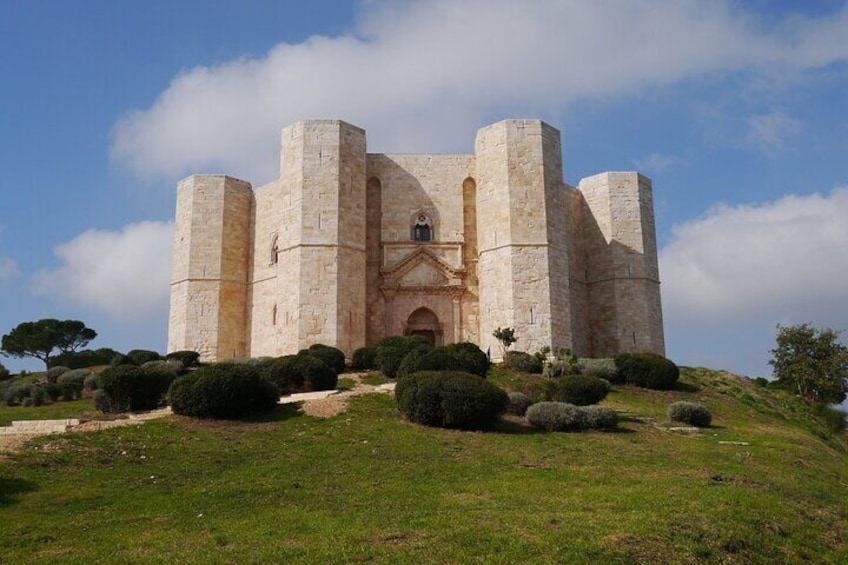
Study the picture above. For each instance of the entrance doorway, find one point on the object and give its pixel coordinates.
(425, 323)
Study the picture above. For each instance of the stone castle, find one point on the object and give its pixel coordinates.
(347, 247)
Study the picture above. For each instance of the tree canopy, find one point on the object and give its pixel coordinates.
(812, 363)
(42, 338)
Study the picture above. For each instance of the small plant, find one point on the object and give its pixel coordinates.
(580, 390)
(521, 361)
(518, 403)
(506, 337)
(556, 417)
(222, 391)
(691, 413)
(647, 370)
(364, 358)
(450, 399)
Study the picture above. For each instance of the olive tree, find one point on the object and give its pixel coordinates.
(812, 363)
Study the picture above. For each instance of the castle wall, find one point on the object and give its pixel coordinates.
(522, 236)
(578, 273)
(210, 270)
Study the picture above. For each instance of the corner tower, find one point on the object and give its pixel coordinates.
(621, 265)
(321, 281)
(210, 267)
(521, 236)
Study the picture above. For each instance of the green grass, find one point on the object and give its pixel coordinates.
(366, 486)
(82, 408)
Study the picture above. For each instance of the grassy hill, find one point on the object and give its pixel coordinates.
(368, 487)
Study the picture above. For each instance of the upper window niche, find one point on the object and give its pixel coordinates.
(422, 229)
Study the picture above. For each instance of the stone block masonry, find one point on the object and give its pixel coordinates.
(346, 247)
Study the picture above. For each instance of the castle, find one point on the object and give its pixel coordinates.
(347, 247)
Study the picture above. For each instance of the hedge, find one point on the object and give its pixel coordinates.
(128, 387)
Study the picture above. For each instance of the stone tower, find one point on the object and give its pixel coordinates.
(212, 236)
(321, 244)
(521, 235)
(623, 277)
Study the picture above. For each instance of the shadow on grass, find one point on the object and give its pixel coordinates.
(279, 413)
(10, 489)
(686, 387)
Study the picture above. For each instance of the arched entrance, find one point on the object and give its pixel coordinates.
(425, 323)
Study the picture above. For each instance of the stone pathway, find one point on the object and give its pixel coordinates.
(322, 404)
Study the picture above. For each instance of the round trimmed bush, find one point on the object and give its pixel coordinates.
(298, 373)
(222, 391)
(691, 413)
(15, 393)
(128, 387)
(556, 417)
(89, 384)
(580, 390)
(173, 365)
(524, 362)
(411, 362)
(602, 368)
(187, 358)
(141, 356)
(518, 403)
(332, 356)
(450, 399)
(600, 417)
(71, 383)
(388, 360)
(53, 373)
(364, 358)
(4, 373)
(559, 368)
(647, 370)
(472, 359)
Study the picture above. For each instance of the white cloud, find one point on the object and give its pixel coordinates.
(770, 131)
(420, 76)
(124, 273)
(657, 162)
(786, 258)
(8, 268)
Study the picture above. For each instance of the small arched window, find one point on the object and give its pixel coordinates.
(422, 230)
(275, 249)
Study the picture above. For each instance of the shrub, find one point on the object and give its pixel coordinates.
(54, 373)
(407, 342)
(173, 365)
(518, 403)
(600, 417)
(120, 359)
(602, 368)
(521, 361)
(71, 383)
(297, 373)
(556, 416)
(14, 393)
(388, 359)
(690, 413)
(332, 356)
(472, 359)
(647, 370)
(89, 384)
(834, 419)
(187, 358)
(450, 399)
(364, 358)
(4, 373)
(128, 387)
(559, 368)
(580, 390)
(36, 396)
(223, 390)
(141, 356)
(460, 358)
(53, 391)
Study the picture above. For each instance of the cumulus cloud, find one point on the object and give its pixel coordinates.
(786, 257)
(421, 75)
(123, 273)
(772, 130)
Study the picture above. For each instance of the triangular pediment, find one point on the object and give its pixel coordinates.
(421, 268)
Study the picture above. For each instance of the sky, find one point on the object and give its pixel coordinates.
(736, 110)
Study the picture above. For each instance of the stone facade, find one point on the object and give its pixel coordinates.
(347, 247)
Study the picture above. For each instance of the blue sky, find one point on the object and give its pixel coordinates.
(736, 110)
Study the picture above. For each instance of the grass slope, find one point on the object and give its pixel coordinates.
(367, 486)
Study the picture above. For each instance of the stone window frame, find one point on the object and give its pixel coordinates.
(422, 218)
(275, 249)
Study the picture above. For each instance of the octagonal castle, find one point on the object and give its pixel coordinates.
(347, 247)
